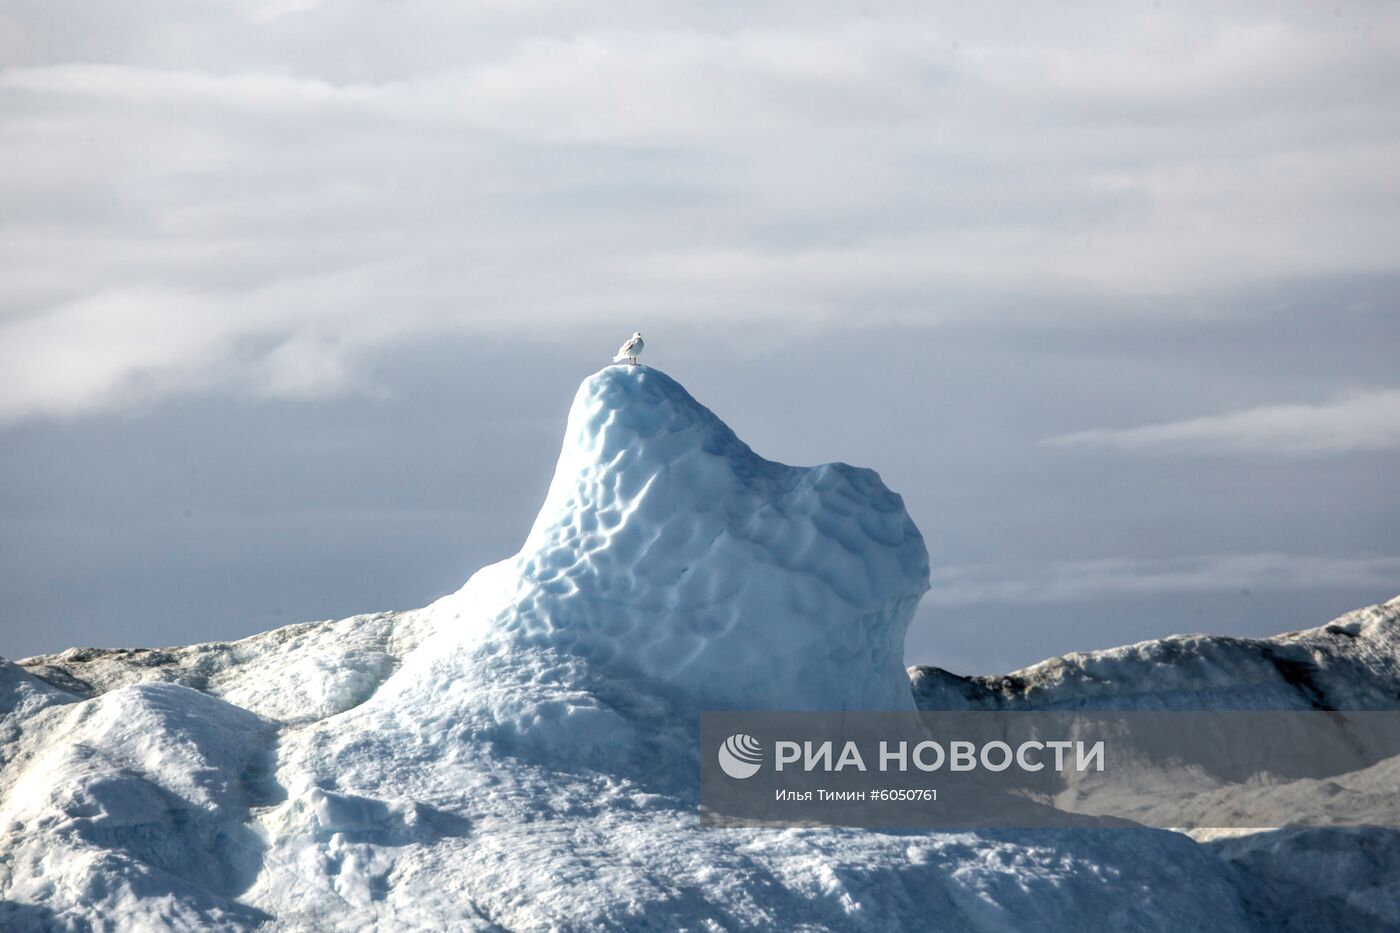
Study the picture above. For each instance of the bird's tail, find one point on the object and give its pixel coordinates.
(620, 357)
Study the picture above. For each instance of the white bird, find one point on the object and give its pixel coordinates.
(630, 350)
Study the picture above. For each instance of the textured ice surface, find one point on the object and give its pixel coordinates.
(668, 547)
(522, 753)
(1319, 879)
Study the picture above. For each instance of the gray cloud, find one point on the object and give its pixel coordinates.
(1087, 580)
(296, 294)
(223, 206)
(1359, 421)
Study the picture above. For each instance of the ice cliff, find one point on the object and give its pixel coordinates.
(521, 754)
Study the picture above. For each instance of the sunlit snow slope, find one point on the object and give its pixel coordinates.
(522, 753)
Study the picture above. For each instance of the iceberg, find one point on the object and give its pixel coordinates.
(522, 754)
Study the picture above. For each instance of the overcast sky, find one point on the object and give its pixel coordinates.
(295, 295)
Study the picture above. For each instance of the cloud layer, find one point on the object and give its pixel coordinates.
(1095, 580)
(1360, 421)
(256, 198)
(344, 262)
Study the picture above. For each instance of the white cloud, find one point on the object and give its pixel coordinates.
(497, 165)
(273, 9)
(110, 348)
(149, 87)
(1360, 421)
(292, 339)
(1070, 581)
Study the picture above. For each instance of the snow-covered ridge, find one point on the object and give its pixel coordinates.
(294, 674)
(1351, 663)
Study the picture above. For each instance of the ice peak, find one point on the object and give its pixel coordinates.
(666, 546)
(622, 404)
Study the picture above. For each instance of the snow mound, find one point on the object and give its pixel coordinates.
(295, 674)
(136, 805)
(668, 548)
